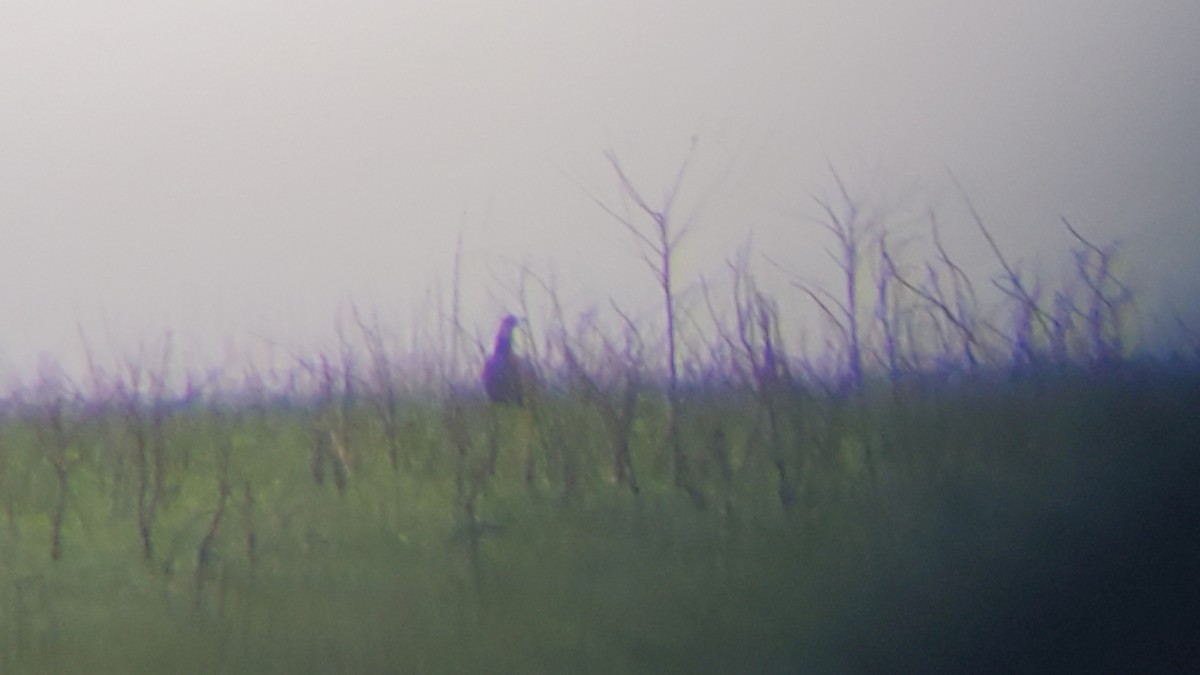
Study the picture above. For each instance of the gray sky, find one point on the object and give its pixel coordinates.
(240, 169)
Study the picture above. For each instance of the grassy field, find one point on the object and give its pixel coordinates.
(1049, 523)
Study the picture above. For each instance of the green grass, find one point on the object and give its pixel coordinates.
(1040, 525)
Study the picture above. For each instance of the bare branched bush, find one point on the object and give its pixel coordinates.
(854, 230)
(54, 407)
(145, 403)
(955, 307)
(1108, 298)
(766, 374)
(612, 389)
(223, 449)
(1027, 312)
(383, 390)
(658, 241)
(327, 423)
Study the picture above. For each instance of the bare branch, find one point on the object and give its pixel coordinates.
(1019, 292)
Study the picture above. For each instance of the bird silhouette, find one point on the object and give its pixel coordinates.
(506, 376)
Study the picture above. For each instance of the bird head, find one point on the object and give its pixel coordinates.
(504, 334)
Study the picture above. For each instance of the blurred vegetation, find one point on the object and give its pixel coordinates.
(923, 485)
(1049, 521)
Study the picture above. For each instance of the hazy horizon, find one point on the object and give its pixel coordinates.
(240, 173)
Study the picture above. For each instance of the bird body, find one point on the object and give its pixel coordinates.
(510, 382)
(506, 375)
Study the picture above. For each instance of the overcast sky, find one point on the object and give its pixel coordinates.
(239, 170)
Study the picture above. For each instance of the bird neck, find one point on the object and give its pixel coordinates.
(503, 344)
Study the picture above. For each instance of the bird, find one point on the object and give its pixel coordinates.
(506, 376)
